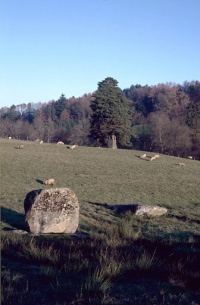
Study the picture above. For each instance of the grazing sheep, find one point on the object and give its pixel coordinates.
(143, 156)
(190, 157)
(60, 143)
(181, 164)
(49, 182)
(154, 157)
(9, 138)
(37, 140)
(41, 142)
(21, 146)
(73, 146)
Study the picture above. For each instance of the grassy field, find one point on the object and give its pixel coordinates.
(118, 259)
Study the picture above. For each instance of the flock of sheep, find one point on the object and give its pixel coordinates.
(58, 143)
(52, 181)
(144, 156)
(41, 142)
(48, 181)
(151, 159)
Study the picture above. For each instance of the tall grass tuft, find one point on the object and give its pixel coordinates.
(145, 261)
(39, 253)
(94, 290)
(120, 232)
(9, 282)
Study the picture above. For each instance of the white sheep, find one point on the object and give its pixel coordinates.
(60, 143)
(190, 157)
(49, 182)
(9, 138)
(181, 164)
(73, 146)
(41, 142)
(21, 146)
(154, 157)
(143, 156)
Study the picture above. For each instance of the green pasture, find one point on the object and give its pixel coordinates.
(100, 177)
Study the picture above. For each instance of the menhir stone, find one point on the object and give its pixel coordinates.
(53, 210)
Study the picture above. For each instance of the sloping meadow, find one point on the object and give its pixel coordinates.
(114, 258)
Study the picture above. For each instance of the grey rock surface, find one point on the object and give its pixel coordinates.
(139, 209)
(54, 210)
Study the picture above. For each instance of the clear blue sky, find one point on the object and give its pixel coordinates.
(50, 47)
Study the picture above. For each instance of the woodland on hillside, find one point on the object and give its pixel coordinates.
(164, 118)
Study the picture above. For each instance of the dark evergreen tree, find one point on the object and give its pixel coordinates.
(29, 114)
(193, 90)
(60, 105)
(50, 111)
(193, 115)
(111, 114)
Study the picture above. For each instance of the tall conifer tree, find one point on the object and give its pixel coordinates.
(111, 113)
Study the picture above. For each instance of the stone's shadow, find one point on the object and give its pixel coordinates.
(117, 208)
(39, 181)
(13, 219)
(195, 203)
(184, 218)
(123, 208)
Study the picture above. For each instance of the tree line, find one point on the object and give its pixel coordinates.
(164, 118)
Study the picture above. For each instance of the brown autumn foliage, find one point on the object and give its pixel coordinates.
(165, 118)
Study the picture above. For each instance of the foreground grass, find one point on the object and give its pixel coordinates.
(94, 270)
(120, 259)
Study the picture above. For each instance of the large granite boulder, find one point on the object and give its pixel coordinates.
(53, 210)
(139, 209)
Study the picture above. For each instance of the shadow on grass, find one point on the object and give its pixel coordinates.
(39, 181)
(104, 205)
(183, 218)
(143, 159)
(13, 219)
(196, 204)
(117, 208)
